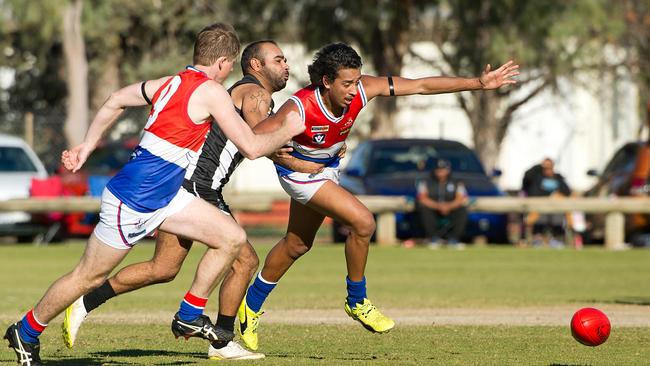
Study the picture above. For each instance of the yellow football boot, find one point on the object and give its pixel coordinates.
(248, 322)
(371, 319)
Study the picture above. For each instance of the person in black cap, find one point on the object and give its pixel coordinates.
(440, 204)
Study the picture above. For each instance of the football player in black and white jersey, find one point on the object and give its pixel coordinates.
(265, 72)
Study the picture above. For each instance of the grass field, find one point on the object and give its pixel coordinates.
(482, 306)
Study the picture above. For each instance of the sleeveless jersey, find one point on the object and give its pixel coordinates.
(324, 134)
(170, 143)
(219, 157)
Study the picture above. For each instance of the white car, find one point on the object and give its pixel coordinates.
(18, 165)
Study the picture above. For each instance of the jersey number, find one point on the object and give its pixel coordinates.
(163, 99)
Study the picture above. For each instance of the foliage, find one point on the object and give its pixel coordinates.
(130, 40)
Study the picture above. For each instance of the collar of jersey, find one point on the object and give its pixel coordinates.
(324, 109)
(190, 67)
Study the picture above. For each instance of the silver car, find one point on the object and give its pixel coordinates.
(18, 165)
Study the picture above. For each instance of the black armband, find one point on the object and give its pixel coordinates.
(144, 93)
(391, 87)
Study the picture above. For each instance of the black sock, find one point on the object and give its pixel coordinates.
(226, 322)
(98, 296)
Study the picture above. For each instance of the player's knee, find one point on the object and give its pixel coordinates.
(364, 225)
(246, 263)
(250, 261)
(88, 279)
(236, 241)
(90, 282)
(297, 247)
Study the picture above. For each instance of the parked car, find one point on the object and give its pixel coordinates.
(104, 162)
(18, 166)
(626, 174)
(389, 167)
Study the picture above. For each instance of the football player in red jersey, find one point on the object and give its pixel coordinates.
(329, 107)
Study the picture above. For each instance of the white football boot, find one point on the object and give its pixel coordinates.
(233, 351)
(75, 314)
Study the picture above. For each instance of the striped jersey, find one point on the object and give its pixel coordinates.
(170, 143)
(219, 156)
(324, 134)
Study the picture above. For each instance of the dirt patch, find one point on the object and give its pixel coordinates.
(620, 316)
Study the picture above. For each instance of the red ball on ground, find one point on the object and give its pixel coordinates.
(590, 327)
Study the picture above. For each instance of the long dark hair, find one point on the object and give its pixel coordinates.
(330, 59)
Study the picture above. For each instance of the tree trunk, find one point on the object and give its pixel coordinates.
(383, 121)
(487, 126)
(107, 82)
(74, 51)
(389, 45)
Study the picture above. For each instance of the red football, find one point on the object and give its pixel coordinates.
(590, 326)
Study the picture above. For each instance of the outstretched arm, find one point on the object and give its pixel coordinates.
(489, 79)
(129, 96)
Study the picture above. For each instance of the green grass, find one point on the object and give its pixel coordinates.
(478, 278)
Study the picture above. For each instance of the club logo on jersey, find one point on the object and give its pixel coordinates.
(344, 131)
(320, 128)
(319, 138)
(348, 123)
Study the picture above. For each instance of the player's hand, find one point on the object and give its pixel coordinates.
(310, 167)
(75, 158)
(444, 209)
(294, 123)
(492, 79)
(344, 148)
(282, 153)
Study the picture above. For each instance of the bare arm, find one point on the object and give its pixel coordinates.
(489, 79)
(214, 98)
(129, 96)
(256, 104)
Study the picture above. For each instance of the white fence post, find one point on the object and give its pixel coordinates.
(614, 230)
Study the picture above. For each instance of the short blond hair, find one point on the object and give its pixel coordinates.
(214, 41)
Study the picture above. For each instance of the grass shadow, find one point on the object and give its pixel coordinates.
(341, 358)
(135, 353)
(633, 300)
(84, 361)
(146, 353)
(626, 300)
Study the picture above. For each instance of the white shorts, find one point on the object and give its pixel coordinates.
(302, 186)
(121, 227)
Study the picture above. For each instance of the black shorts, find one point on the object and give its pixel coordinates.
(208, 194)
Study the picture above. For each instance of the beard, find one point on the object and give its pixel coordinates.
(277, 81)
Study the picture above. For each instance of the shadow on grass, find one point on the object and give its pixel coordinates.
(626, 300)
(632, 300)
(133, 353)
(342, 358)
(84, 361)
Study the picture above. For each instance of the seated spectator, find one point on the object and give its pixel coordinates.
(441, 207)
(542, 181)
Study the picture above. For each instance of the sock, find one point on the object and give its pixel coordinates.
(31, 328)
(98, 296)
(356, 291)
(258, 292)
(191, 307)
(225, 322)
